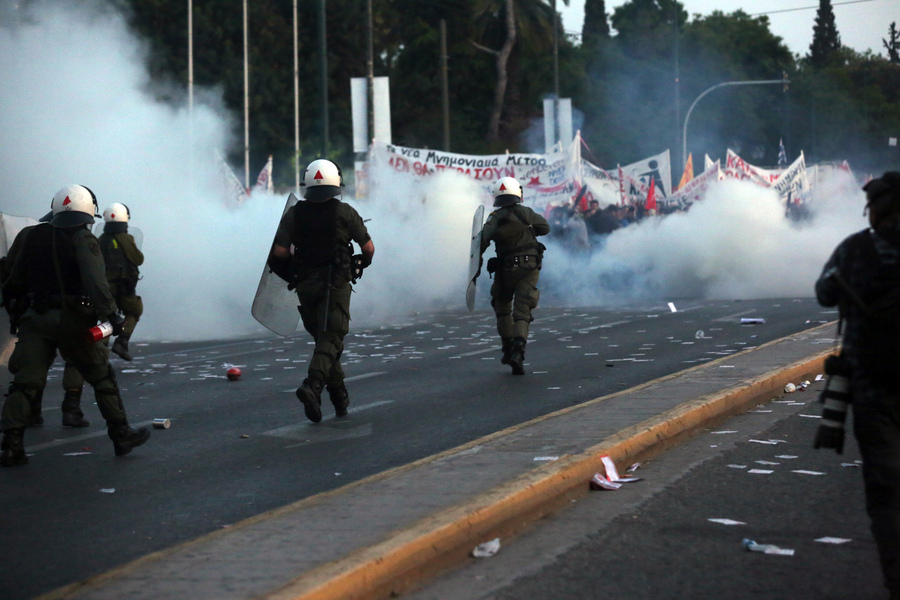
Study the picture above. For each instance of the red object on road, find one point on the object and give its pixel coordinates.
(233, 374)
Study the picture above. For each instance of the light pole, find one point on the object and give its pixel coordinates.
(715, 87)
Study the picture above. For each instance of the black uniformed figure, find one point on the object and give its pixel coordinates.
(320, 231)
(514, 294)
(57, 290)
(862, 278)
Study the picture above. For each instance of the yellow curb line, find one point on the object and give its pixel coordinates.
(320, 578)
(398, 563)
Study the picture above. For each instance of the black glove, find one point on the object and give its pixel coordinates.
(15, 308)
(358, 264)
(282, 268)
(118, 322)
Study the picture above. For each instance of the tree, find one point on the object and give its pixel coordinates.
(595, 29)
(533, 16)
(826, 42)
(893, 43)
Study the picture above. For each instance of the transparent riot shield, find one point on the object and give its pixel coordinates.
(135, 232)
(474, 256)
(275, 306)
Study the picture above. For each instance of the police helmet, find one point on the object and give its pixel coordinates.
(506, 191)
(116, 213)
(74, 205)
(322, 181)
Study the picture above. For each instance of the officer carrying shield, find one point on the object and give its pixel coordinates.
(321, 268)
(57, 290)
(514, 229)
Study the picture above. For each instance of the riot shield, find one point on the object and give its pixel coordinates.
(275, 306)
(474, 256)
(135, 232)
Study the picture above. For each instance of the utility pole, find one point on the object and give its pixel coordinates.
(323, 66)
(555, 72)
(296, 107)
(445, 91)
(246, 106)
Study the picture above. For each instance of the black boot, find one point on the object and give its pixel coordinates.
(310, 394)
(517, 356)
(37, 405)
(126, 438)
(71, 410)
(13, 447)
(507, 348)
(340, 399)
(120, 346)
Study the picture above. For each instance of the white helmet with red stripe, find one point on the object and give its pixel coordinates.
(506, 191)
(322, 181)
(116, 213)
(73, 205)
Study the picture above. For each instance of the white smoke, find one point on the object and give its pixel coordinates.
(736, 243)
(74, 108)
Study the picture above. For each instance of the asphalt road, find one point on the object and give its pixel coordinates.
(236, 449)
(655, 539)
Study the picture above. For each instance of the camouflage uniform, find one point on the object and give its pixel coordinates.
(514, 293)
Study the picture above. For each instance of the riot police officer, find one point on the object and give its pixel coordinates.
(56, 291)
(514, 229)
(122, 258)
(320, 231)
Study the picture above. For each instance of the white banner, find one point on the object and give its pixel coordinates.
(264, 181)
(546, 178)
(737, 168)
(602, 186)
(656, 167)
(793, 185)
(697, 187)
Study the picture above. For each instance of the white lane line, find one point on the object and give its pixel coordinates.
(477, 352)
(365, 376)
(354, 378)
(735, 315)
(78, 438)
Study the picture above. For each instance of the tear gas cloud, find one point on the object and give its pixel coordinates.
(734, 244)
(75, 108)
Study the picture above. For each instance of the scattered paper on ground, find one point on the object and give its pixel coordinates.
(727, 521)
(487, 549)
(832, 540)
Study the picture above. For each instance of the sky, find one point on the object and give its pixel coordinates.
(861, 24)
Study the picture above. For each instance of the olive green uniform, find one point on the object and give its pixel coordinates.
(123, 258)
(59, 321)
(321, 234)
(514, 293)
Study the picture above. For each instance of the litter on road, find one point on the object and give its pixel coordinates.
(487, 549)
(766, 548)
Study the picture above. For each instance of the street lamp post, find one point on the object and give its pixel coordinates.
(715, 87)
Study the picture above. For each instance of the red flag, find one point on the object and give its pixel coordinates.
(651, 196)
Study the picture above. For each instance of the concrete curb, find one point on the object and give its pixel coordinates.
(421, 551)
(408, 555)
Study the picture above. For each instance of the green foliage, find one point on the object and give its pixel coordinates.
(826, 42)
(624, 85)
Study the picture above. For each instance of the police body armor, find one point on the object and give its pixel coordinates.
(316, 249)
(49, 258)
